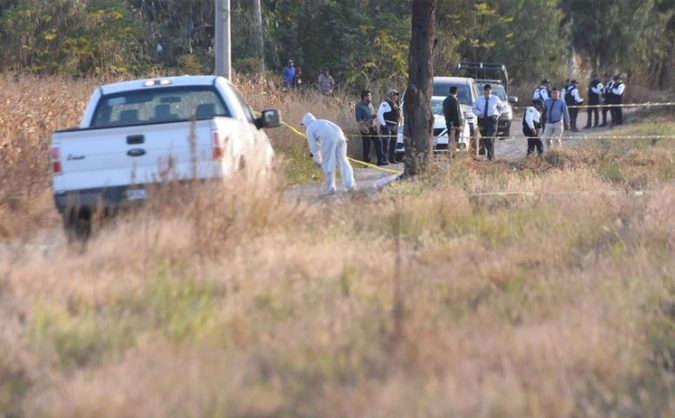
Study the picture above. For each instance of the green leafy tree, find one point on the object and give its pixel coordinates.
(382, 52)
(533, 41)
(629, 36)
(70, 37)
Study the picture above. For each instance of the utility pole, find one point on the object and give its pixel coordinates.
(223, 47)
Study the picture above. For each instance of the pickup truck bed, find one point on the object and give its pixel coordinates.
(99, 165)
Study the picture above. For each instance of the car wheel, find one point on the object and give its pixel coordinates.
(77, 224)
(399, 157)
(507, 133)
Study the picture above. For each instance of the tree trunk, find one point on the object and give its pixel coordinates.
(419, 121)
(258, 40)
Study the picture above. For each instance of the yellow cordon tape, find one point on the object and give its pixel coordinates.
(388, 170)
(532, 194)
(647, 104)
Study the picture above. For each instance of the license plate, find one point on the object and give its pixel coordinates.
(136, 194)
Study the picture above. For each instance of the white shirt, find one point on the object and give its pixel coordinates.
(384, 108)
(576, 96)
(618, 90)
(532, 116)
(541, 93)
(494, 105)
(597, 89)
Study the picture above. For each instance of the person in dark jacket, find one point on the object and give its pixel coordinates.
(607, 98)
(453, 119)
(365, 117)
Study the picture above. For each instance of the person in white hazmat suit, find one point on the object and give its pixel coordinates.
(333, 151)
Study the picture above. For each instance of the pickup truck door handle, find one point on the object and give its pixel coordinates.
(135, 139)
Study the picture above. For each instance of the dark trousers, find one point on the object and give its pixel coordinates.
(617, 115)
(607, 109)
(372, 136)
(574, 112)
(593, 116)
(388, 134)
(533, 141)
(488, 129)
(453, 137)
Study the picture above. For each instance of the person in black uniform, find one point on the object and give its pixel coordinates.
(607, 98)
(617, 93)
(572, 100)
(594, 94)
(453, 119)
(389, 116)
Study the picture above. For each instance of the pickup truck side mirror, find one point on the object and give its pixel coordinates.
(513, 99)
(268, 119)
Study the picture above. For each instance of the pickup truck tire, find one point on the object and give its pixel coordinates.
(77, 224)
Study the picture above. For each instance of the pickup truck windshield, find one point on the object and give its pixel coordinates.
(463, 93)
(156, 105)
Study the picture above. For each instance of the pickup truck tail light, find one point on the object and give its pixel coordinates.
(56, 160)
(217, 148)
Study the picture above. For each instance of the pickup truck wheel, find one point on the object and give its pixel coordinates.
(77, 225)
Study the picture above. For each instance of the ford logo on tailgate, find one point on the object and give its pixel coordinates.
(136, 152)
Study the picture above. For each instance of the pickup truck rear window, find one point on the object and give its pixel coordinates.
(157, 105)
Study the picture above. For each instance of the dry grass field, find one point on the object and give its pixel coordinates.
(432, 298)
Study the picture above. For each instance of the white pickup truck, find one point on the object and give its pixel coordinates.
(133, 132)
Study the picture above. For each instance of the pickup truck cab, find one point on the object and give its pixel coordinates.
(496, 75)
(143, 132)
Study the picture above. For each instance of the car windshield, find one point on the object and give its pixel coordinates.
(498, 91)
(463, 93)
(165, 104)
(437, 107)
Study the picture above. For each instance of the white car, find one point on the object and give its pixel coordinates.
(440, 130)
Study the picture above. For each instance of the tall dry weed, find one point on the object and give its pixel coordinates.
(549, 298)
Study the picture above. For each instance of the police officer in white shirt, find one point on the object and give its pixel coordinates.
(617, 91)
(594, 95)
(573, 99)
(607, 99)
(542, 92)
(488, 108)
(532, 127)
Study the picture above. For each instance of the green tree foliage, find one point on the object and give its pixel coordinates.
(365, 42)
(176, 28)
(634, 37)
(72, 37)
(533, 41)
